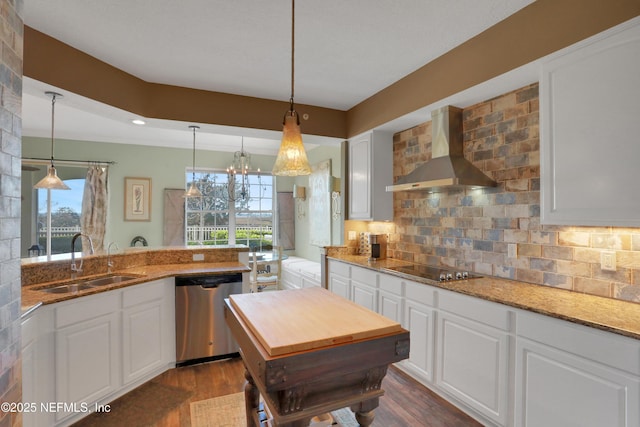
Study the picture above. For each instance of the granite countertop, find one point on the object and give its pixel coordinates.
(32, 297)
(608, 314)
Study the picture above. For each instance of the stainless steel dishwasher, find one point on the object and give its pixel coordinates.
(201, 331)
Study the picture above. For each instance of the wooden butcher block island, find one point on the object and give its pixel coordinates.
(309, 351)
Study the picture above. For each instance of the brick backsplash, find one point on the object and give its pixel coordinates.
(472, 229)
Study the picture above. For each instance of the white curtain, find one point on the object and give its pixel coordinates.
(93, 219)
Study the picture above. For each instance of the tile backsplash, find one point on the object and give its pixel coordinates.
(473, 229)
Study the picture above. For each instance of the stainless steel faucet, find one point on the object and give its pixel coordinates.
(75, 269)
(109, 262)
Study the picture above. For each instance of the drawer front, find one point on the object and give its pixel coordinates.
(142, 293)
(86, 308)
(420, 293)
(489, 313)
(391, 284)
(364, 275)
(603, 347)
(340, 268)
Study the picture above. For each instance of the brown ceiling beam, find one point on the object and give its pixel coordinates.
(537, 30)
(50, 61)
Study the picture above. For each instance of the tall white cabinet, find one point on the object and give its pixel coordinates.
(370, 171)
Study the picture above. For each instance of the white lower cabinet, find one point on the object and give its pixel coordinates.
(570, 375)
(473, 355)
(93, 349)
(391, 297)
(87, 348)
(339, 278)
(145, 318)
(419, 319)
(364, 295)
(504, 366)
(364, 284)
(339, 285)
(37, 380)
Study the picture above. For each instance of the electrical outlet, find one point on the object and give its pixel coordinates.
(608, 260)
(512, 250)
(198, 257)
(352, 235)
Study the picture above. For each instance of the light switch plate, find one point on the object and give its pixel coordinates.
(352, 235)
(608, 260)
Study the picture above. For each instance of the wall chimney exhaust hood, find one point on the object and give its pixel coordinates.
(447, 168)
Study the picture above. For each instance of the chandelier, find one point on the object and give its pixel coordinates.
(239, 189)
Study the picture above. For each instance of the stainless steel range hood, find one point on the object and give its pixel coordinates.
(447, 168)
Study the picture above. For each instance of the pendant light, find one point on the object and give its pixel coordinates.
(193, 190)
(292, 159)
(51, 181)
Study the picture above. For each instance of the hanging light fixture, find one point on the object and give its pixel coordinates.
(292, 159)
(51, 181)
(241, 165)
(193, 189)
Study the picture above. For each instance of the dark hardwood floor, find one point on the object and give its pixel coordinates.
(406, 402)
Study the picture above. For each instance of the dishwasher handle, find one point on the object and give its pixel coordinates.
(208, 282)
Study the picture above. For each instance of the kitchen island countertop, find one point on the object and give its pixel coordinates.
(608, 314)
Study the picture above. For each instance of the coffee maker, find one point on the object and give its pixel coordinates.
(378, 246)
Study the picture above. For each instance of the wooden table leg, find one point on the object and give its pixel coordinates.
(300, 423)
(251, 398)
(365, 411)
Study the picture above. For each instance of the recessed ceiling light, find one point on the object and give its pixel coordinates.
(138, 122)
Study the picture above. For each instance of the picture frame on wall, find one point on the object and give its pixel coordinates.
(137, 199)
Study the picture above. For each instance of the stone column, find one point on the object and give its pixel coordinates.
(11, 37)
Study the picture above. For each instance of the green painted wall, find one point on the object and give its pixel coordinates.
(166, 167)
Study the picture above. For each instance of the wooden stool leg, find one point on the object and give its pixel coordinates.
(365, 411)
(251, 398)
(365, 419)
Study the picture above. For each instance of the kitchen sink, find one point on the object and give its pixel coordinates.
(67, 289)
(83, 284)
(109, 280)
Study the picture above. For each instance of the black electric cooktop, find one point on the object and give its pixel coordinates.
(433, 273)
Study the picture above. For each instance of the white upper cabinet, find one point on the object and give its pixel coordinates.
(589, 144)
(370, 171)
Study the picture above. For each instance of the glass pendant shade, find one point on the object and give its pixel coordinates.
(292, 159)
(193, 190)
(52, 181)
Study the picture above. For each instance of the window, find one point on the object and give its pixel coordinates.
(66, 207)
(223, 216)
